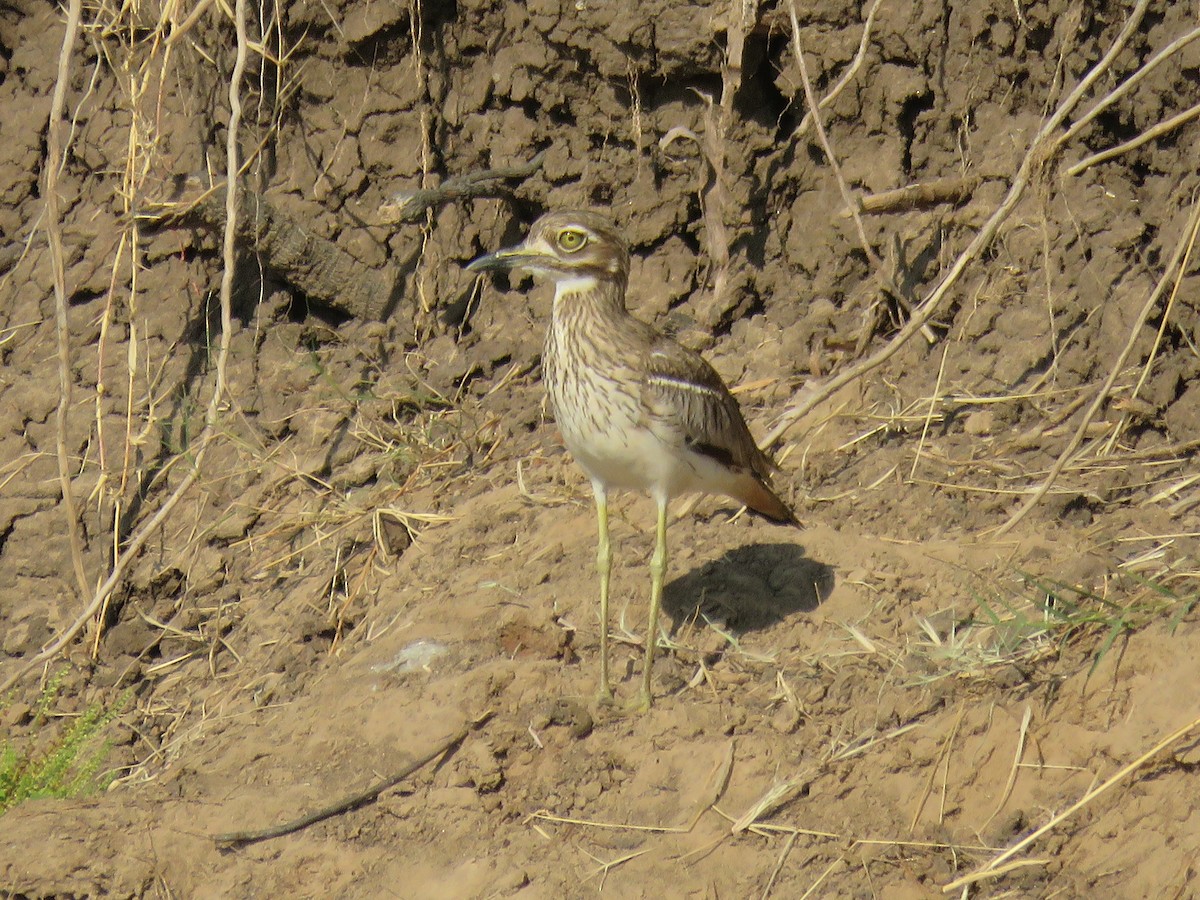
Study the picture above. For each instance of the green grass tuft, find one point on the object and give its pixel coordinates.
(69, 767)
(1035, 617)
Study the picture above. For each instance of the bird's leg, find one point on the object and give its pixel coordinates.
(604, 567)
(658, 569)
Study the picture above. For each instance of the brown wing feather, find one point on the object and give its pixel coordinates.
(679, 385)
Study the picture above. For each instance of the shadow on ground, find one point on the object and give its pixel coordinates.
(750, 587)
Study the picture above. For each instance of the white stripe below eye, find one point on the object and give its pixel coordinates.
(574, 285)
(683, 384)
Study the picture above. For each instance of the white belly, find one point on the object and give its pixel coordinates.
(630, 456)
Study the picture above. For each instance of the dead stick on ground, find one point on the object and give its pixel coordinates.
(953, 189)
(410, 206)
(354, 801)
(1040, 149)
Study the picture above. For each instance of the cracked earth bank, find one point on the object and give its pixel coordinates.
(385, 540)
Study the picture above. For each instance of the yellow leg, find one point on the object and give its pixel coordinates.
(604, 567)
(658, 569)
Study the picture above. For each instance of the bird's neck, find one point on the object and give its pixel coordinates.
(587, 296)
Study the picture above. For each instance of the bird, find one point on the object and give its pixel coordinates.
(637, 410)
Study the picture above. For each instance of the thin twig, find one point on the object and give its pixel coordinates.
(783, 855)
(178, 31)
(943, 757)
(850, 71)
(821, 878)
(55, 160)
(1127, 85)
(934, 401)
(353, 801)
(853, 204)
(1144, 138)
(811, 97)
(1016, 765)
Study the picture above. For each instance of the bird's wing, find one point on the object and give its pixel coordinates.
(681, 390)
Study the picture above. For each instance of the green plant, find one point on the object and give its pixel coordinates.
(69, 766)
(1034, 616)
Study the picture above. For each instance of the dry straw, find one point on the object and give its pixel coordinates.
(129, 552)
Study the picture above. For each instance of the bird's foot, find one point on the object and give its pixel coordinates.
(641, 705)
(604, 696)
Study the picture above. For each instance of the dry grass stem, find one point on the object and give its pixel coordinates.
(1026, 718)
(775, 797)
(814, 115)
(943, 760)
(216, 402)
(1145, 137)
(821, 878)
(860, 56)
(56, 160)
(933, 404)
(604, 867)
(856, 749)
(717, 783)
(814, 111)
(783, 855)
(547, 816)
(1129, 83)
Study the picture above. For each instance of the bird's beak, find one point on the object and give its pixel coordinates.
(508, 258)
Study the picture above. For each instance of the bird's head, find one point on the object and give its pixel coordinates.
(566, 245)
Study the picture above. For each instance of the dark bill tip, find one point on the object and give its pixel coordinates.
(501, 259)
(486, 263)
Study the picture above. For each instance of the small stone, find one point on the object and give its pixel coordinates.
(16, 713)
(980, 422)
(513, 881)
(815, 693)
(786, 719)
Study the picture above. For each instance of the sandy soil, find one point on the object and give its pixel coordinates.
(385, 541)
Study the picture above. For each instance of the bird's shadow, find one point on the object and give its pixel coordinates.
(750, 587)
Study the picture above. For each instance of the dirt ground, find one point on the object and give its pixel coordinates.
(379, 540)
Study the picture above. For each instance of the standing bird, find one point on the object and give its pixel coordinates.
(637, 410)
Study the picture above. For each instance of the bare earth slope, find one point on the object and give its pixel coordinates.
(987, 616)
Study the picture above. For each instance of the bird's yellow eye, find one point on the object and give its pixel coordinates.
(571, 240)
